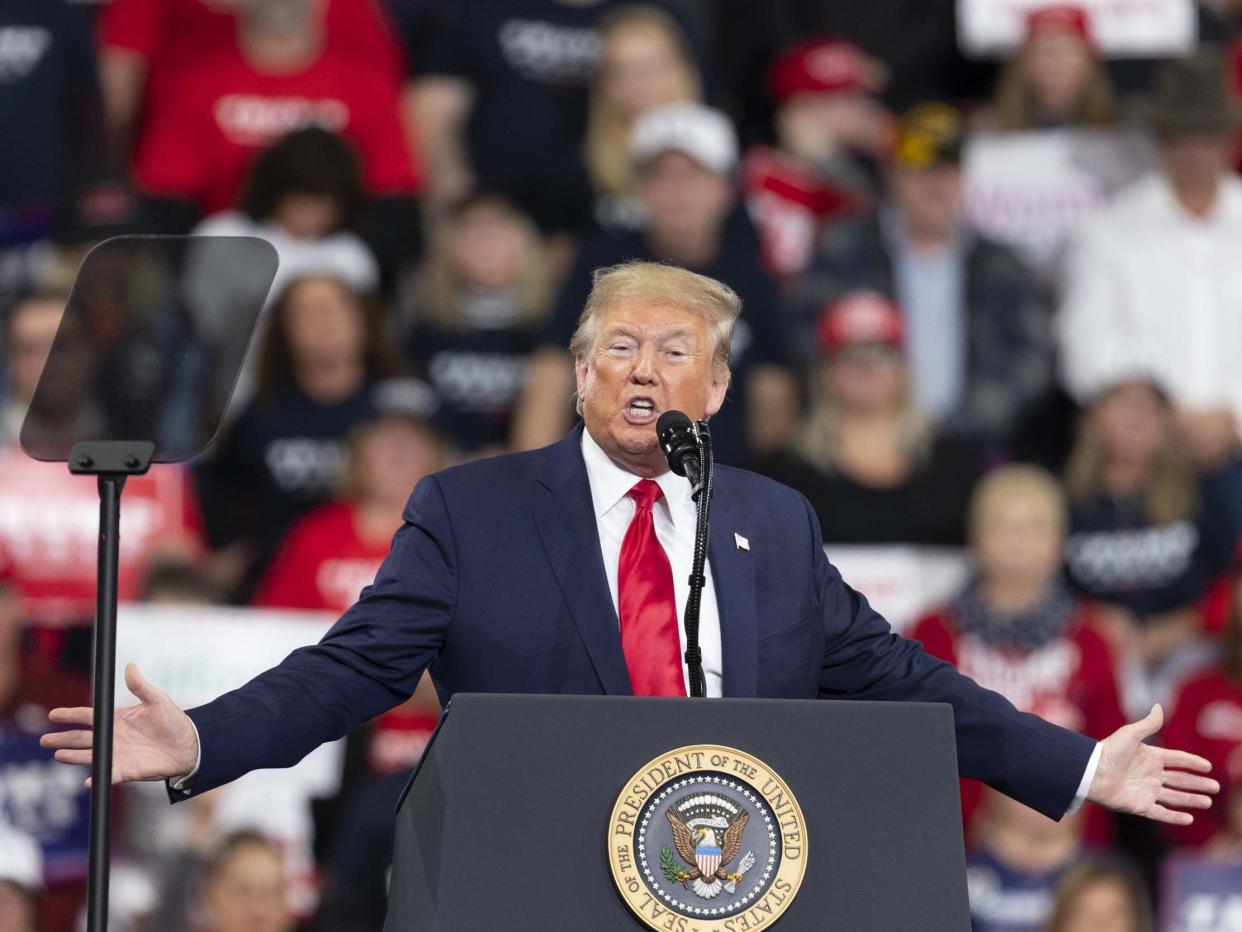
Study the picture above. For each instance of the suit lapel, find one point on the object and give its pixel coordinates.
(733, 575)
(565, 518)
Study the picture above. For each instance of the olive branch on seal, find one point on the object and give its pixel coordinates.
(668, 864)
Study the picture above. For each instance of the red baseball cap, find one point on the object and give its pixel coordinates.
(857, 319)
(1058, 17)
(829, 65)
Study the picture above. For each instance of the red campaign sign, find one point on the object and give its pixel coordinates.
(49, 532)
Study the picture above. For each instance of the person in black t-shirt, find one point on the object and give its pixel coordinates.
(324, 368)
(645, 62)
(476, 307)
(501, 99)
(871, 466)
(684, 155)
(1144, 536)
(53, 166)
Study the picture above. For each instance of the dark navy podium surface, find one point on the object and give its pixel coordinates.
(505, 824)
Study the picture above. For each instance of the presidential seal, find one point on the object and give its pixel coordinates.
(707, 839)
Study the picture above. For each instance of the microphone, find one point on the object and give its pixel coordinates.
(679, 444)
(688, 449)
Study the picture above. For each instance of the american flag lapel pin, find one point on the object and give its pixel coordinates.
(742, 542)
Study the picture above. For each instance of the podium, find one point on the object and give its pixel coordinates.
(608, 813)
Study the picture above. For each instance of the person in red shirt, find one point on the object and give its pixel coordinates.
(143, 41)
(1207, 718)
(49, 519)
(828, 125)
(331, 553)
(227, 102)
(1016, 629)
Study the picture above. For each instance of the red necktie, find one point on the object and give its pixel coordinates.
(646, 604)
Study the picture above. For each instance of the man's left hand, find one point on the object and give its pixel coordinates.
(1150, 781)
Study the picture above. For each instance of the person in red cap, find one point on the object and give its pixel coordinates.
(872, 467)
(1056, 78)
(1207, 720)
(829, 126)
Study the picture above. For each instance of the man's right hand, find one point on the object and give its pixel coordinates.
(153, 740)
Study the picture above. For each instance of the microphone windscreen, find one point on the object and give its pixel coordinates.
(671, 421)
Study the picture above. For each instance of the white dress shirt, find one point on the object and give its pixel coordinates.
(1156, 292)
(674, 517)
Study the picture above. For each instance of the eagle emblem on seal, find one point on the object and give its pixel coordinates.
(707, 833)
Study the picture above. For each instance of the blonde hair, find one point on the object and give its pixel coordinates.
(1015, 481)
(1014, 103)
(1169, 491)
(1077, 880)
(657, 283)
(606, 146)
(818, 437)
(439, 286)
(352, 483)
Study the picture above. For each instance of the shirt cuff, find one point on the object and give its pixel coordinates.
(1084, 786)
(182, 784)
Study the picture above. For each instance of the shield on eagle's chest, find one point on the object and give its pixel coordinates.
(708, 861)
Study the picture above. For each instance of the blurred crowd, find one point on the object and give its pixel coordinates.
(440, 178)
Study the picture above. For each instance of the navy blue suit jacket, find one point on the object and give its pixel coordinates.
(496, 583)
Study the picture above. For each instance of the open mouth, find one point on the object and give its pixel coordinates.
(640, 411)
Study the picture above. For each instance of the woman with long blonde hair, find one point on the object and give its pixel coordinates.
(872, 465)
(1055, 79)
(1141, 539)
(645, 62)
(474, 313)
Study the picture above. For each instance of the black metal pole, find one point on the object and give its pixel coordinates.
(703, 497)
(110, 485)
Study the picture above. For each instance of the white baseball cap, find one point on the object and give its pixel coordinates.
(704, 134)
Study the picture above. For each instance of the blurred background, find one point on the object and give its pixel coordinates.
(990, 254)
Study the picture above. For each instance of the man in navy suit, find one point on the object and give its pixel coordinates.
(563, 570)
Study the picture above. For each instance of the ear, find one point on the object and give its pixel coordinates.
(716, 396)
(581, 367)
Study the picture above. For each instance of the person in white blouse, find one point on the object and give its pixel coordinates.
(1155, 280)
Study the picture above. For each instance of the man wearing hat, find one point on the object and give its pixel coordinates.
(684, 157)
(1155, 281)
(978, 341)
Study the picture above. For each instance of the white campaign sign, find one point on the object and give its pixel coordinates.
(1120, 28)
(1030, 190)
(902, 583)
(195, 654)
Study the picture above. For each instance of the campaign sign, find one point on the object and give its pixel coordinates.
(901, 582)
(1031, 190)
(1119, 28)
(45, 800)
(197, 653)
(1201, 894)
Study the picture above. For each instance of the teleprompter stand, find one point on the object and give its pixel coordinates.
(140, 372)
(111, 462)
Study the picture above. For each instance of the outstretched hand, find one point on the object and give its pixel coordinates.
(1150, 781)
(153, 740)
